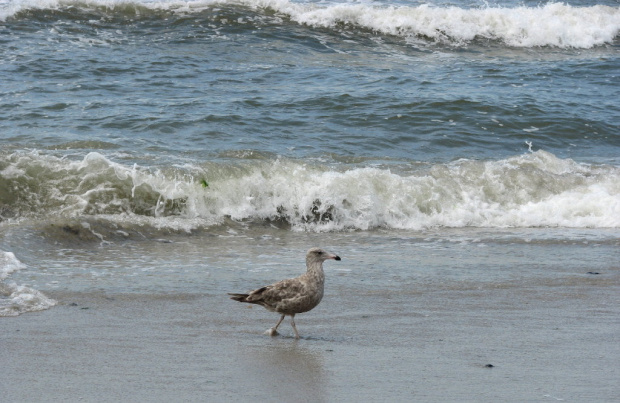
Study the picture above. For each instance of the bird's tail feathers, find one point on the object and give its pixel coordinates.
(238, 297)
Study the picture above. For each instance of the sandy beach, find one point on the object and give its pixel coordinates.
(512, 342)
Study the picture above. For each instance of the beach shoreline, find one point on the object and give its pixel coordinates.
(556, 342)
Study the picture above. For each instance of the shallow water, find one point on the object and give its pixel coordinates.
(239, 260)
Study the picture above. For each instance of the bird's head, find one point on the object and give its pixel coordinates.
(319, 255)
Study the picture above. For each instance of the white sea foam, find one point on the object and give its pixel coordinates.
(9, 264)
(552, 24)
(17, 299)
(531, 190)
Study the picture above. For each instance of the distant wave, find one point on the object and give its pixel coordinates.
(531, 190)
(552, 24)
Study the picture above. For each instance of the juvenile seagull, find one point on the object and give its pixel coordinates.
(293, 295)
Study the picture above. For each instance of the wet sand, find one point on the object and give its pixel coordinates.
(515, 342)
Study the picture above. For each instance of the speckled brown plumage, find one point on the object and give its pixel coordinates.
(293, 295)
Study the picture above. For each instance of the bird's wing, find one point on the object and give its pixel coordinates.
(282, 290)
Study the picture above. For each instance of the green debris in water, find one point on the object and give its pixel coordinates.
(204, 183)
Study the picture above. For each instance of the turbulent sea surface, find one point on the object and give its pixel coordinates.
(142, 140)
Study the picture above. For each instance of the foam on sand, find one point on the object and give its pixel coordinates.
(17, 299)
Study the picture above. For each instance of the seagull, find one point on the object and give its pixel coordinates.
(293, 295)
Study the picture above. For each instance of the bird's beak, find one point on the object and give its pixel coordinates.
(335, 257)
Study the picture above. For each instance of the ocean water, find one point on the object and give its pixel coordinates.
(183, 146)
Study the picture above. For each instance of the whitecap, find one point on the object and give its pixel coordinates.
(552, 24)
(529, 190)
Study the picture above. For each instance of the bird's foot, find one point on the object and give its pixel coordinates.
(272, 332)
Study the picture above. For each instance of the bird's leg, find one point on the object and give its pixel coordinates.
(274, 330)
(294, 327)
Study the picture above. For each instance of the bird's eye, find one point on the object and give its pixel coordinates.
(319, 252)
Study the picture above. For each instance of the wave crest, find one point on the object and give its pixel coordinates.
(553, 24)
(550, 25)
(531, 190)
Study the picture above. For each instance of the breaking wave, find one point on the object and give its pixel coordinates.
(532, 190)
(549, 25)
